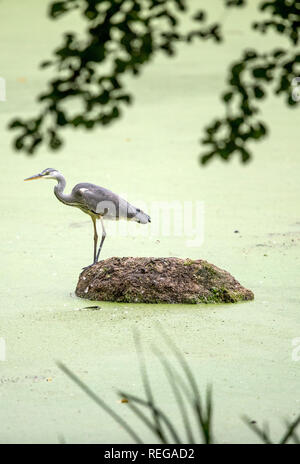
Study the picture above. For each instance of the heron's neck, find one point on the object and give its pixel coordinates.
(59, 190)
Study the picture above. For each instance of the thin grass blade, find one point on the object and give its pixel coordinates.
(159, 413)
(147, 388)
(171, 376)
(100, 402)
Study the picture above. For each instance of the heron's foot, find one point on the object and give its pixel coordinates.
(91, 265)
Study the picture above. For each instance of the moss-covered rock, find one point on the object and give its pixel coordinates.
(159, 280)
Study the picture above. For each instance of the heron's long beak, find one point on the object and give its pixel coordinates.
(37, 176)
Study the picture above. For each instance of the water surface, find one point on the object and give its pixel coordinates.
(245, 350)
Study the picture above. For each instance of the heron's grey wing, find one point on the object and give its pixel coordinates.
(100, 200)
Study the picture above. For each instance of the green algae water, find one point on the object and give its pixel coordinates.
(245, 350)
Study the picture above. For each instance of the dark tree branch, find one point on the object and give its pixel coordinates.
(123, 36)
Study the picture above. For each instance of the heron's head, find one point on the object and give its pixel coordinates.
(48, 173)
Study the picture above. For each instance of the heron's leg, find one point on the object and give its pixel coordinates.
(95, 240)
(102, 239)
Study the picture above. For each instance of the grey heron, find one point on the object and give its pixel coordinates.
(96, 201)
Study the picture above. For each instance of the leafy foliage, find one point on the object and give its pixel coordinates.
(247, 82)
(123, 36)
(247, 86)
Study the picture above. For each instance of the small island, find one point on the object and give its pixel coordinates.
(159, 280)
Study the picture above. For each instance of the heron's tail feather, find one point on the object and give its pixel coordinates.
(141, 217)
